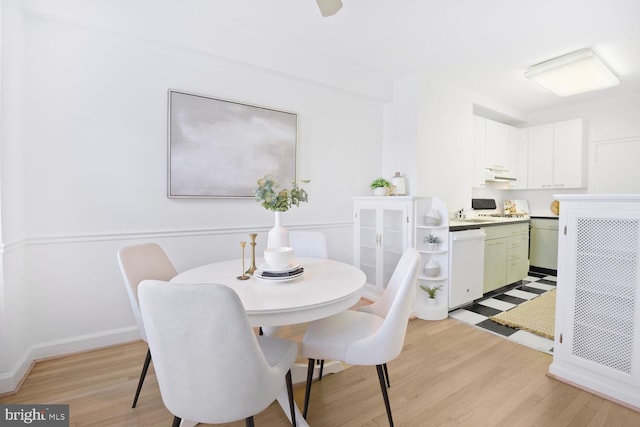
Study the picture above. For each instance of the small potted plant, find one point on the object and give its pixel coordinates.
(432, 291)
(432, 241)
(431, 310)
(381, 187)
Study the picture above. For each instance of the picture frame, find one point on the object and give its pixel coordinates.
(219, 148)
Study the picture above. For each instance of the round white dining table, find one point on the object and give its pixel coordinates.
(325, 288)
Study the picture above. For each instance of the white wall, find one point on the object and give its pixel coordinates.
(84, 173)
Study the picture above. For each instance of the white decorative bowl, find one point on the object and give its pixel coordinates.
(278, 258)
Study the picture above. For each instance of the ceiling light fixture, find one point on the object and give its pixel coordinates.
(576, 72)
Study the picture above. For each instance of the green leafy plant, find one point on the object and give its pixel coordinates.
(273, 198)
(380, 183)
(431, 290)
(432, 238)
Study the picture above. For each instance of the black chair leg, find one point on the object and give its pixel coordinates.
(176, 422)
(143, 374)
(260, 331)
(386, 374)
(385, 396)
(307, 392)
(292, 404)
(249, 422)
(321, 369)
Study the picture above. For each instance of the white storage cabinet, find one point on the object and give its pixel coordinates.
(439, 255)
(382, 232)
(597, 330)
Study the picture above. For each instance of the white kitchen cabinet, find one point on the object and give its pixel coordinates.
(540, 158)
(382, 233)
(518, 157)
(597, 333)
(497, 145)
(556, 155)
(505, 255)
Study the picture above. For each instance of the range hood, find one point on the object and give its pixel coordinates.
(497, 175)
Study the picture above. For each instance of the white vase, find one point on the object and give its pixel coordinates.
(431, 269)
(432, 302)
(278, 236)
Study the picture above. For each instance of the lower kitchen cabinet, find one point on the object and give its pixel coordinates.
(506, 260)
(597, 338)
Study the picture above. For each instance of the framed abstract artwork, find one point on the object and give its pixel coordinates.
(220, 148)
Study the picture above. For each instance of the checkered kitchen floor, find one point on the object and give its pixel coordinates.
(504, 299)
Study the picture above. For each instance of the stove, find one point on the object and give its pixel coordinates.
(502, 215)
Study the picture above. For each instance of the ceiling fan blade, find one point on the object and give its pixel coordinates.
(329, 7)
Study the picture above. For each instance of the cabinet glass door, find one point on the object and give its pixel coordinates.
(368, 243)
(393, 240)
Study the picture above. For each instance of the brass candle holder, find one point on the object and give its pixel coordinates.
(243, 276)
(253, 267)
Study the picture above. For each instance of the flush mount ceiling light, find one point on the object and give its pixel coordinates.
(329, 7)
(576, 72)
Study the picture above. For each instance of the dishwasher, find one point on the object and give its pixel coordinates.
(466, 266)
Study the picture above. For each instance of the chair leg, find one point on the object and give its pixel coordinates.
(307, 392)
(143, 374)
(386, 374)
(321, 369)
(176, 422)
(292, 404)
(249, 422)
(385, 396)
(260, 331)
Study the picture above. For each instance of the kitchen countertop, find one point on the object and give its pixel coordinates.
(473, 223)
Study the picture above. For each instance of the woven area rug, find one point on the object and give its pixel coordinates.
(537, 316)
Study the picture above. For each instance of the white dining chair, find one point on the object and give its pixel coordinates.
(308, 244)
(372, 337)
(211, 367)
(138, 263)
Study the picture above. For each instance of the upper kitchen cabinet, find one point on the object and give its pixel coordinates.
(495, 146)
(556, 155)
(518, 155)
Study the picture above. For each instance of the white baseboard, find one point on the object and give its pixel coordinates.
(9, 381)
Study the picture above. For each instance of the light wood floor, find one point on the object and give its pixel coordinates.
(449, 374)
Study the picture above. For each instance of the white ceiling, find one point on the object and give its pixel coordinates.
(481, 45)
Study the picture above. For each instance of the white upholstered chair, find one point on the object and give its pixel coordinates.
(371, 337)
(211, 367)
(308, 244)
(138, 263)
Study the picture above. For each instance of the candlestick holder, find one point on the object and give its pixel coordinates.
(243, 276)
(253, 267)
